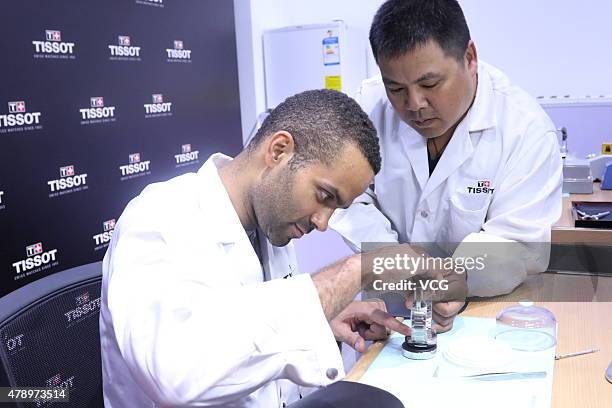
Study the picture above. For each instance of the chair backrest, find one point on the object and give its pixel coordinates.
(50, 335)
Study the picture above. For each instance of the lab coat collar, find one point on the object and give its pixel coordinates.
(276, 261)
(226, 222)
(481, 115)
(415, 147)
(459, 148)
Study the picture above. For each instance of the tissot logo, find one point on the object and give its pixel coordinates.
(135, 168)
(53, 35)
(57, 381)
(97, 113)
(178, 53)
(482, 186)
(82, 298)
(187, 156)
(69, 182)
(54, 381)
(15, 343)
(158, 108)
(96, 102)
(53, 47)
(124, 51)
(84, 307)
(18, 120)
(66, 171)
(16, 107)
(102, 239)
(109, 225)
(37, 260)
(153, 3)
(32, 250)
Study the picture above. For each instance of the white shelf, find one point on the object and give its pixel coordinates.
(572, 101)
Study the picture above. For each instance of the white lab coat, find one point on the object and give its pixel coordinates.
(186, 317)
(506, 139)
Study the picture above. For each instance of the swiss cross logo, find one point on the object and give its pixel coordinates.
(109, 225)
(134, 158)
(82, 299)
(53, 35)
(55, 380)
(158, 98)
(484, 183)
(124, 40)
(67, 171)
(186, 148)
(96, 101)
(178, 45)
(34, 249)
(17, 106)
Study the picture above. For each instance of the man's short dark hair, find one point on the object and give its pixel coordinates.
(400, 26)
(321, 122)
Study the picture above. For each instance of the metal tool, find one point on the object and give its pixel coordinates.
(576, 353)
(594, 217)
(510, 375)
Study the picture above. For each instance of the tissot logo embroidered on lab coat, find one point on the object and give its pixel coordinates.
(482, 186)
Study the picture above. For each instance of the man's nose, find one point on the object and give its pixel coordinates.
(321, 218)
(414, 101)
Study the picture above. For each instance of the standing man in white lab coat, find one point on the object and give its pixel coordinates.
(192, 311)
(467, 157)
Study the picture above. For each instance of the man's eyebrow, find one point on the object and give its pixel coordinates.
(429, 75)
(390, 81)
(424, 77)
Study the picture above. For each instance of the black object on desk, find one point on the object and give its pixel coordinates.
(347, 394)
(592, 208)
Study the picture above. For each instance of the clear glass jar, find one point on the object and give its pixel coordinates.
(526, 327)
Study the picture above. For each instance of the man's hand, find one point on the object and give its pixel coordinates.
(444, 314)
(367, 320)
(446, 302)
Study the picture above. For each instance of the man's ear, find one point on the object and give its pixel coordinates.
(279, 148)
(471, 58)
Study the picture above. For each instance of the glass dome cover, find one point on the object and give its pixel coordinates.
(526, 327)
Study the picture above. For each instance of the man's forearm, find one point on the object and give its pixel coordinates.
(338, 284)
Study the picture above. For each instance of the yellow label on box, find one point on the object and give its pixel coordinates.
(606, 148)
(333, 82)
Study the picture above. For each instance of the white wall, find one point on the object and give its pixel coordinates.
(253, 17)
(549, 47)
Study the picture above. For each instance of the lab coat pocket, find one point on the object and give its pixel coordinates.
(465, 218)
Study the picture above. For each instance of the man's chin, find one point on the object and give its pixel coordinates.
(279, 241)
(428, 133)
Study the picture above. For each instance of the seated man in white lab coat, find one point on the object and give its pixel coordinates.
(466, 156)
(192, 311)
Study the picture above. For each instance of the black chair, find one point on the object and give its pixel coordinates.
(347, 394)
(50, 336)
